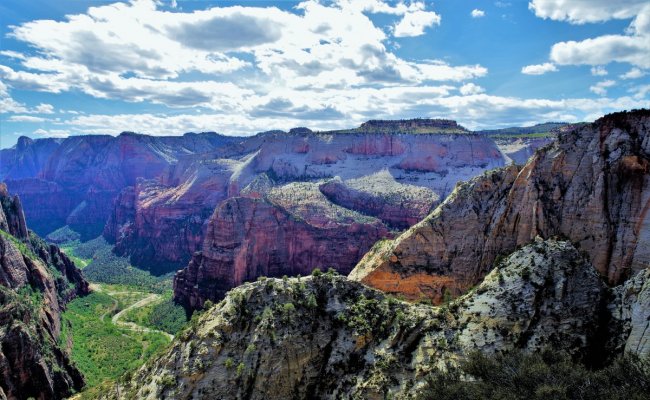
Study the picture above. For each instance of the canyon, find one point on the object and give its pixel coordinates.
(36, 282)
(511, 255)
(158, 199)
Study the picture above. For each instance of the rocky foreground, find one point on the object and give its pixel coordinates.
(591, 186)
(325, 336)
(36, 282)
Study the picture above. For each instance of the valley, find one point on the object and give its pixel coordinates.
(325, 200)
(126, 319)
(382, 281)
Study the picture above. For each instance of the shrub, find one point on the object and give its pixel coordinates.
(544, 375)
(208, 305)
(240, 369)
(316, 272)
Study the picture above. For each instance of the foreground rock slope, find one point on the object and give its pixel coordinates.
(591, 186)
(36, 282)
(328, 337)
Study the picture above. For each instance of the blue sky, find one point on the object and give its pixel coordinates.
(169, 67)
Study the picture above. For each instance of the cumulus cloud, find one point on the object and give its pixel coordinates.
(10, 106)
(138, 52)
(633, 47)
(470, 88)
(473, 111)
(52, 133)
(26, 118)
(601, 87)
(583, 11)
(602, 50)
(538, 69)
(476, 13)
(598, 71)
(634, 73)
(414, 23)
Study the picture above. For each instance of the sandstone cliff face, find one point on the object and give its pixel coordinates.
(27, 158)
(395, 177)
(36, 281)
(290, 231)
(591, 186)
(84, 174)
(328, 337)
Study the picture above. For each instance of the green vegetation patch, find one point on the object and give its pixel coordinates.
(101, 265)
(101, 350)
(163, 315)
(545, 375)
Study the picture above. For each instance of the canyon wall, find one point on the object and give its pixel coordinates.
(36, 282)
(590, 186)
(304, 200)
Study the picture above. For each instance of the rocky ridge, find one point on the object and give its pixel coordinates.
(590, 186)
(36, 282)
(324, 336)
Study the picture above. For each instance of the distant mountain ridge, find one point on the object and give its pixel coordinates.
(152, 196)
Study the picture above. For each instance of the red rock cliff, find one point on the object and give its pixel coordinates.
(591, 186)
(36, 282)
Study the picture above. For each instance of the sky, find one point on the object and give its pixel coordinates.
(238, 68)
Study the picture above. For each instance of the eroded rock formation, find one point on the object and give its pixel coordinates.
(591, 187)
(327, 337)
(36, 281)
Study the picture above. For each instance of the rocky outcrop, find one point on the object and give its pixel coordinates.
(519, 150)
(590, 186)
(36, 282)
(290, 231)
(630, 311)
(379, 195)
(327, 337)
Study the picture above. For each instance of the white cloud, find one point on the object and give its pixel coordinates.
(601, 87)
(54, 133)
(598, 71)
(583, 11)
(470, 88)
(476, 13)
(477, 110)
(138, 52)
(10, 106)
(602, 50)
(538, 69)
(633, 47)
(641, 92)
(414, 23)
(26, 118)
(633, 73)
(44, 109)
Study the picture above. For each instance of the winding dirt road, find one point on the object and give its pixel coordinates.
(129, 325)
(133, 326)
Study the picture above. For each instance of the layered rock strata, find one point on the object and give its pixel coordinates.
(591, 187)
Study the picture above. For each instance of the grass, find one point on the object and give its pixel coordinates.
(104, 351)
(101, 350)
